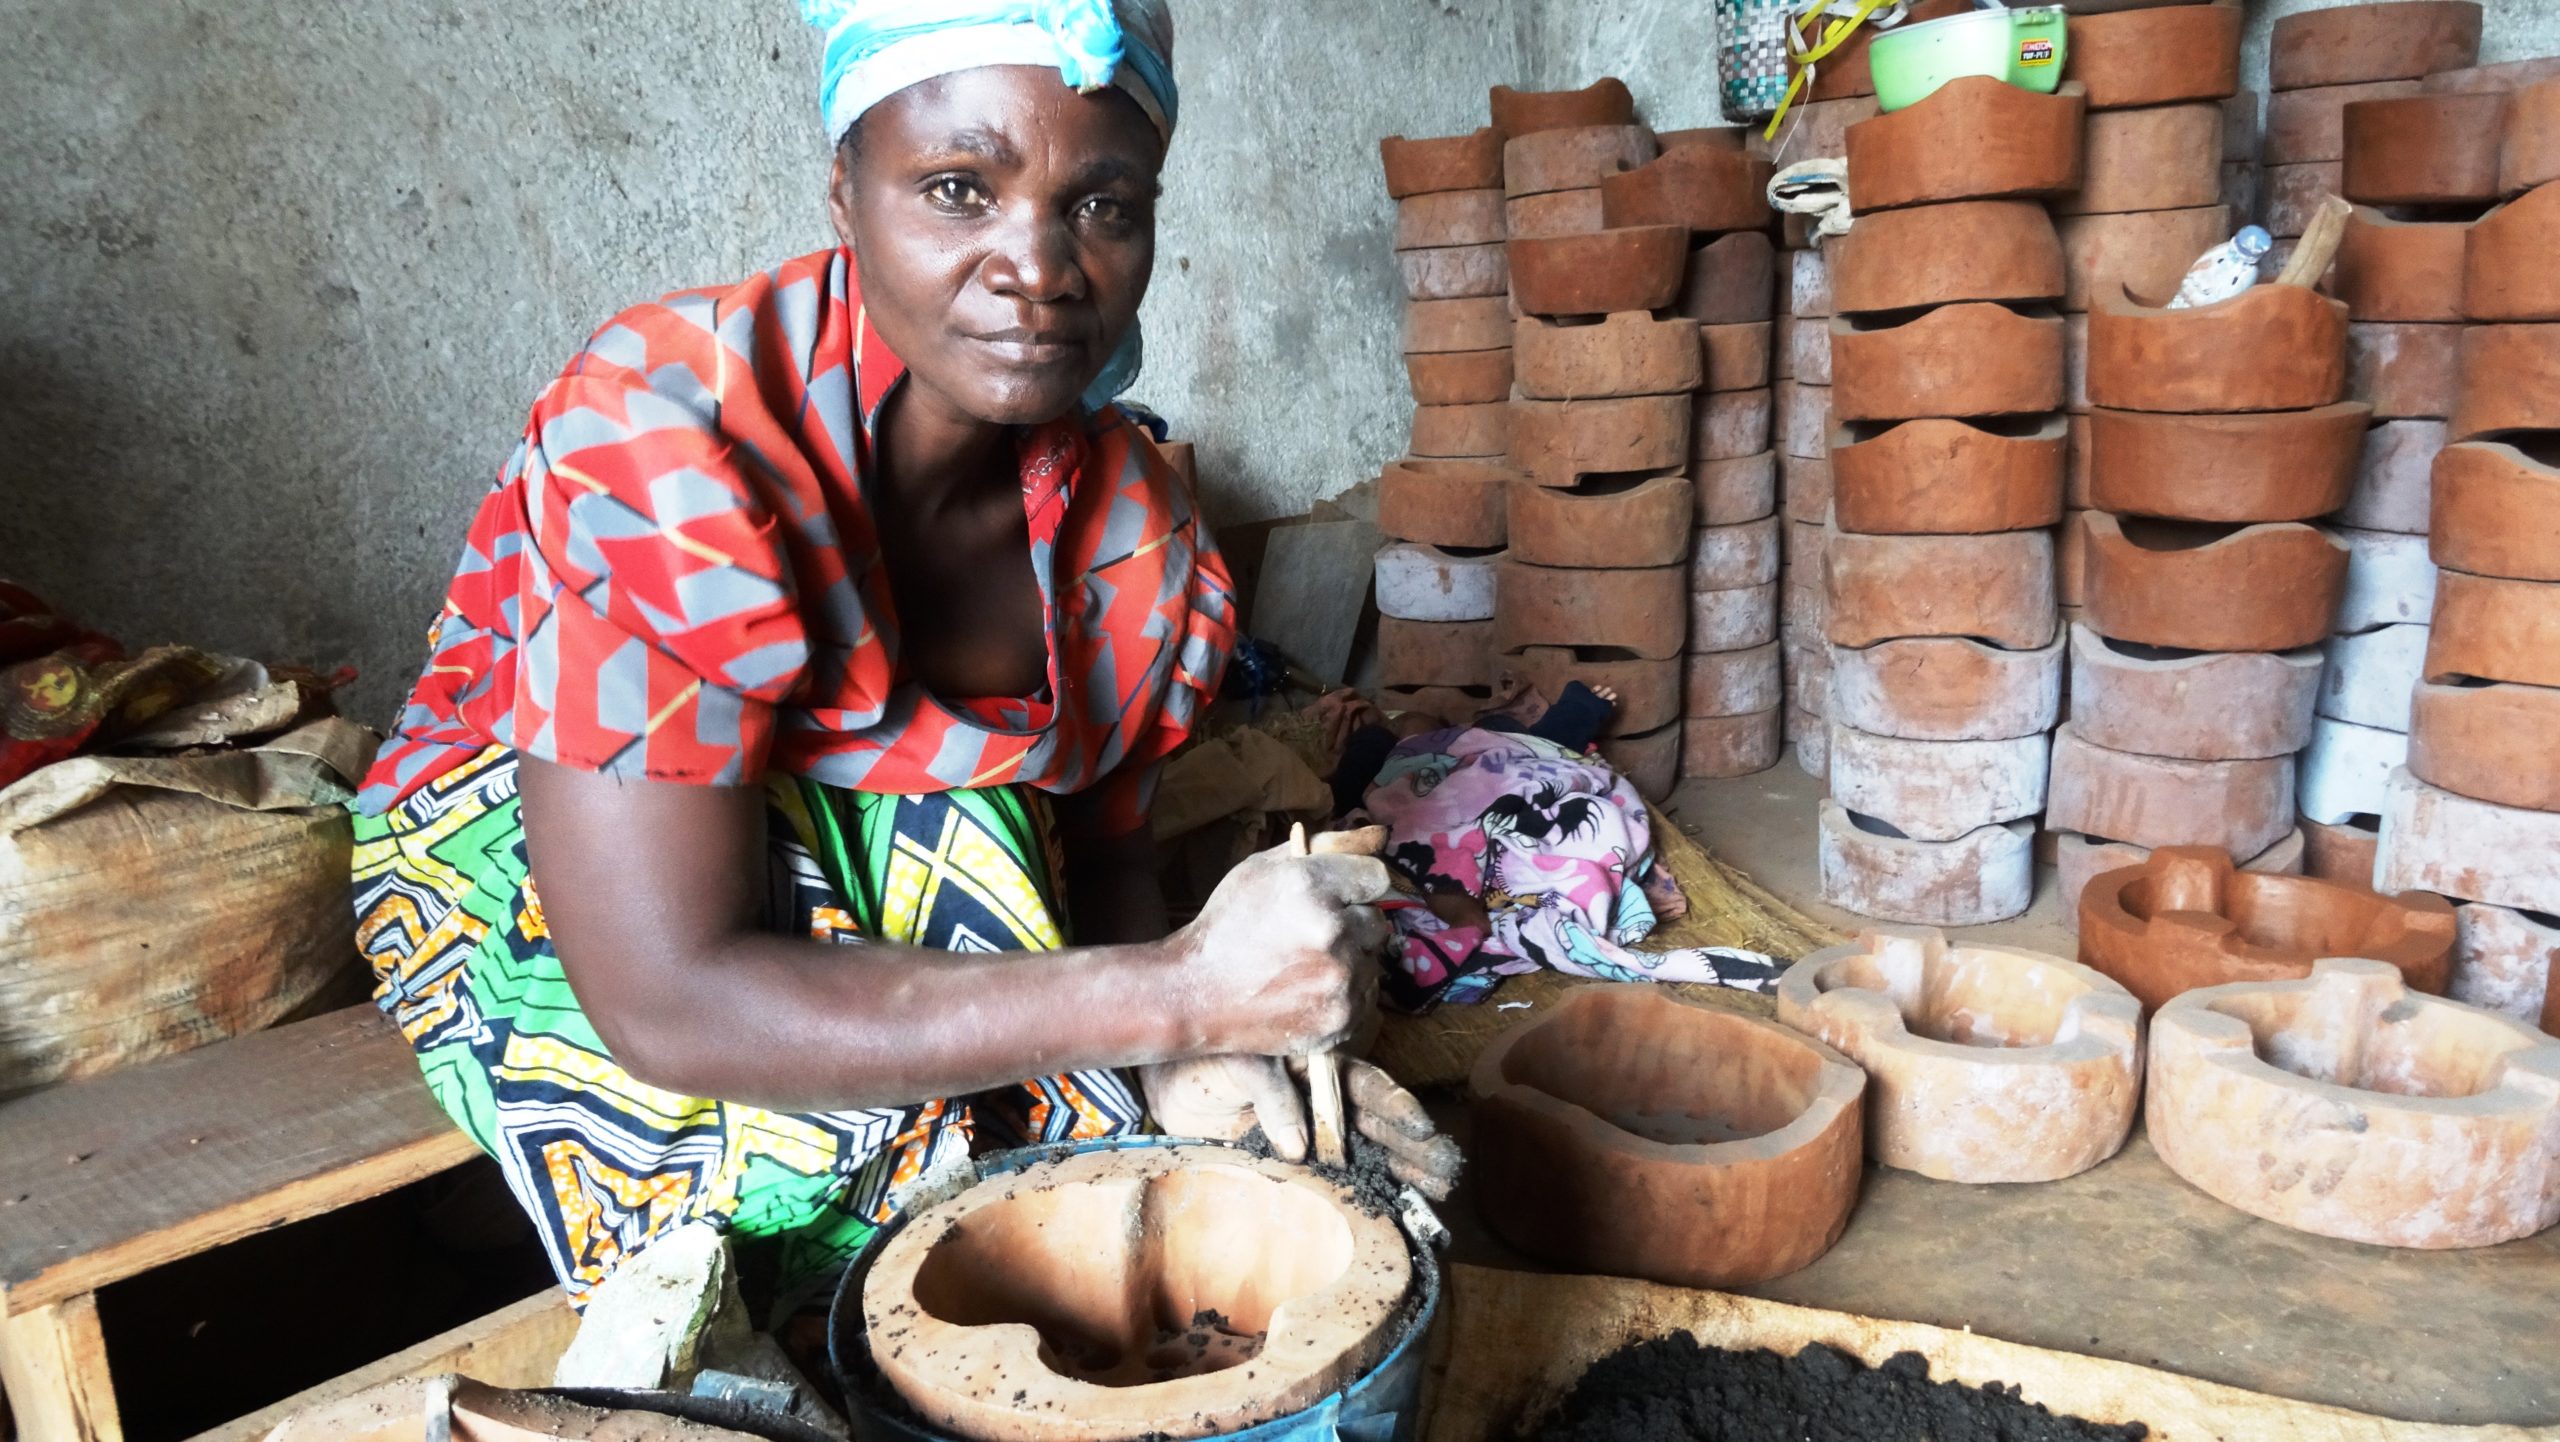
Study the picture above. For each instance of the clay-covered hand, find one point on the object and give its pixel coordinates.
(1223, 1098)
(1283, 958)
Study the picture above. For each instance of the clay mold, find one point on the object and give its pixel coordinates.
(2192, 705)
(1634, 522)
(1706, 189)
(1803, 419)
(1867, 868)
(2243, 807)
(2271, 347)
(2002, 250)
(2268, 587)
(1452, 162)
(1807, 488)
(1946, 688)
(1634, 268)
(1628, 354)
(2493, 508)
(1973, 138)
(1997, 588)
(2243, 467)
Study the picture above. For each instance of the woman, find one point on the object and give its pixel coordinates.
(841, 605)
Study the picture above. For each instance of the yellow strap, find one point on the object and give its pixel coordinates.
(1802, 63)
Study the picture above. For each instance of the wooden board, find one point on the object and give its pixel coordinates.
(515, 1346)
(1519, 1340)
(54, 1363)
(100, 1180)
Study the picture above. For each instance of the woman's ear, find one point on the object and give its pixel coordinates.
(840, 196)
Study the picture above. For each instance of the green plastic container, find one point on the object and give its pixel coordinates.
(2022, 47)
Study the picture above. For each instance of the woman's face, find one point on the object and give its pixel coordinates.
(1005, 228)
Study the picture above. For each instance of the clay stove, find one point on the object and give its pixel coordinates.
(1166, 1291)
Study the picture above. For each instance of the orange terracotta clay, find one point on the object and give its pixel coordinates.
(2242, 806)
(1736, 356)
(1638, 268)
(1434, 653)
(1454, 272)
(2004, 250)
(1729, 280)
(1455, 162)
(2509, 75)
(2155, 56)
(2187, 918)
(1578, 158)
(1803, 416)
(1807, 486)
(2530, 152)
(2507, 273)
(2494, 504)
(1949, 476)
(2143, 252)
(2391, 270)
(2509, 381)
(2404, 370)
(2078, 860)
(1560, 212)
(2495, 630)
(1705, 188)
(2246, 466)
(2424, 150)
(2455, 845)
(1728, 425)
(1644, 611)
(2166, 157)
(1450, 217)
(1649, 692)
(1973, 138)
(1724, 558)
(2267, 587)
(1945, 688)
(2308, 127)
(1715, 747)
(2196, 706)
(1643, 522)
(2271, 347)
(1733, 683)
(1956, 360)
(1444, 503)
(2352, 44)
(1460, 431)
(2489, 741)
(2340, 853)
(1559, 442)
(1459, 378)
(1605, 101)
(1742, 489)
(1439, 327)
(1734, 620)
(1996, 588)
(1627, 354)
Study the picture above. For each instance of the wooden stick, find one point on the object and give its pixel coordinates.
(2318, 246)
(1324, 1070)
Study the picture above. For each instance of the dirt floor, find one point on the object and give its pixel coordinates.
(2127, 1261)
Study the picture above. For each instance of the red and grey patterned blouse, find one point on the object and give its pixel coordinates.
(677, 577)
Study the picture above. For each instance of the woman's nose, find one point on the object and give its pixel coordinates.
(1035, 259)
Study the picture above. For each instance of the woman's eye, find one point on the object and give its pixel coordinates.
(953, 193)
(1105, 209)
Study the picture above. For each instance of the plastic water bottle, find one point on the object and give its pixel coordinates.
(2224, 271)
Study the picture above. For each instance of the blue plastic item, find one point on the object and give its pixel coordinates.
(1383, 1406)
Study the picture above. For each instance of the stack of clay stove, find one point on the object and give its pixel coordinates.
(1441, 506)
(2321, 61)
(1946, 468)
(2475, 814)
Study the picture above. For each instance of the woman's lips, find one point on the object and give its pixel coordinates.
(1034, 347)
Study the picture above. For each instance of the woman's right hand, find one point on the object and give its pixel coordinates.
(1283, 959)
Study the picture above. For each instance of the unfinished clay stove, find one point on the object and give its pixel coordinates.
(1459, 378)
(1561, 212)
(1714, 747)
(2269, 587)
(1649, 692)
(1629, 1132)
(2395, 270)
(1454, 272)
(1643, 522)
(1736, 356)
(1996, 588)
(2352, 44)
(2194, 705)
(1949, 476)
(1644, 611)
(1434, 327)
(1444, 503)
(2308, 127)
(2494, 504)
(2369, 676)
(2495, 630)
(2243, 807)
(1729, 425)
(2341, 853)
(1733, 683)
(1605, 101)
(1704, 188)
(1649, 760)
(1578, 158)
(1722, 558)
(1742, 489)
(1984, 1063)
(2163, 157)
(1164, 1291)
(1937, 790)
(2155, 56)
(2143, 252)
(1956, 360)
(2188, 918)
(2269, 348)
(2453, 845)
(2493, 741)
(1450, 217)
(1435, 653)
(1460, 432)
(2510, 381)
(1628, 354)
(1865, 867)
(2424, 149)
(1559, 442)
(2530, 154)
(1973, 138)
(2404, 369)
(2250, 466)
(2345, 1106)
(2394, 488)
(1634, 268)
(1730, 280)
(2506, 268)
(2003, 250)
(1946, 688)
(2503, 960)
(1416, 582)
(1453, 162)
(2079, 860)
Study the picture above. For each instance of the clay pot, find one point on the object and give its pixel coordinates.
(2207, 706)
(1470, 432)
(2156, 56)
(1415, 582)
(1714, 748)
(1450, 217)
(2368, 677)
(1973, 138)
(1708, 189)
(2392, 270)
(1642, 522)
(2502, 960)
(1803, 416)
(1439, 327)
(2394, 488)
(1650, 761)
(1644, 611)
(2353, 44)
(1735, 357)
(2510, 381)
(1996, 588)
(2144, 253)
(1629, 1132)
(1742, 489)
(1729, 280)
(2345, 770)
(1628, 354)
(1050, 1305)
(2270, 587)
(2424, 149)
(2250, 466)
(2390, 581)
(1946, 689)
(1605, 101)
(1728, 425)
(2003, 250)
(2244, 807)
(2341, 853)
(2166, 157)
(2507, 272)
(1454, 272)
(1949, 476)
(2494, 503)
(1577, 158)
(1865, 868)
(1559, 442)
(1936, 790)
(2454, 845)
(2288, 196)
(1649, 692)
(1561, 212)
(2488, 741)
(2345, 1106)
(1636, 268)
(2079, 860)
(1808, 284)
(1807, 486)
(1847, 71)
(1459, 378)
(2269, 348)
(1455, 162)
(1984, 1063)
(2530, 154)
(1733, 620)
(2494, 629)
(2309, 127)
(1723, 558)
(2404, 370)
(1957, 360)
(1444, 503)
(1436, 653)
(1733, 683)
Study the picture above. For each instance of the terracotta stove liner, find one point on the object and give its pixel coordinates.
(1434, 327)
(1415, 582)
(1605, 271)
(1444, 503)
(2267, 587)
(1641, 610)
(2494, 630)
(1459, 378)
(2244, 467)
(1435, 653)
(1723, 558)
(1649, 691)
(1973, 138)
(1456, 272)
(1986, 875)
(1731, 280)
(2165, 157)
(2243, 807)
(2510, 381)
(2507, 273)
(2000, 250)
(2269, 348)
(1460, 432)
(1744, 488)
(1957, 360)
(1937, 790)
(1605, 101)
(1627, 354)
(2454, 845)
(1560, 442)
(1453, 162)
(1575, 158)
(2497, 742)
(2155, 56)
(1713, 747)
(2424, 149)
(2145, 252)
(1649, 760)
(1946, 688)
(2354, 44)
(1733, 683)
(1642, 522)
(2079, 860)
(1996, 588)
(1560, 212)
(2394, 270)
(2493, 507)
(1706, 189)
(2193, 705)
(2308, 126)
(2394, 489)
(1450, 217)
(1949, 476)
(1733, 620)
(2409, 369)
(2503, 960)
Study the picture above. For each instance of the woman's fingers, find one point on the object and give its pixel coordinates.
(1380, 1099)
(1361, 841)
(1430, 1168)
(1276, 1105)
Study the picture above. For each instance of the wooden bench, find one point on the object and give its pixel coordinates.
(103, 1180)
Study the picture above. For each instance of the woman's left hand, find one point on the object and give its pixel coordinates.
(1222, 1098)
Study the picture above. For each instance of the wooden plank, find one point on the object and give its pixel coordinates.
(100, 1180)
(54, 1363)
(515, 1346)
